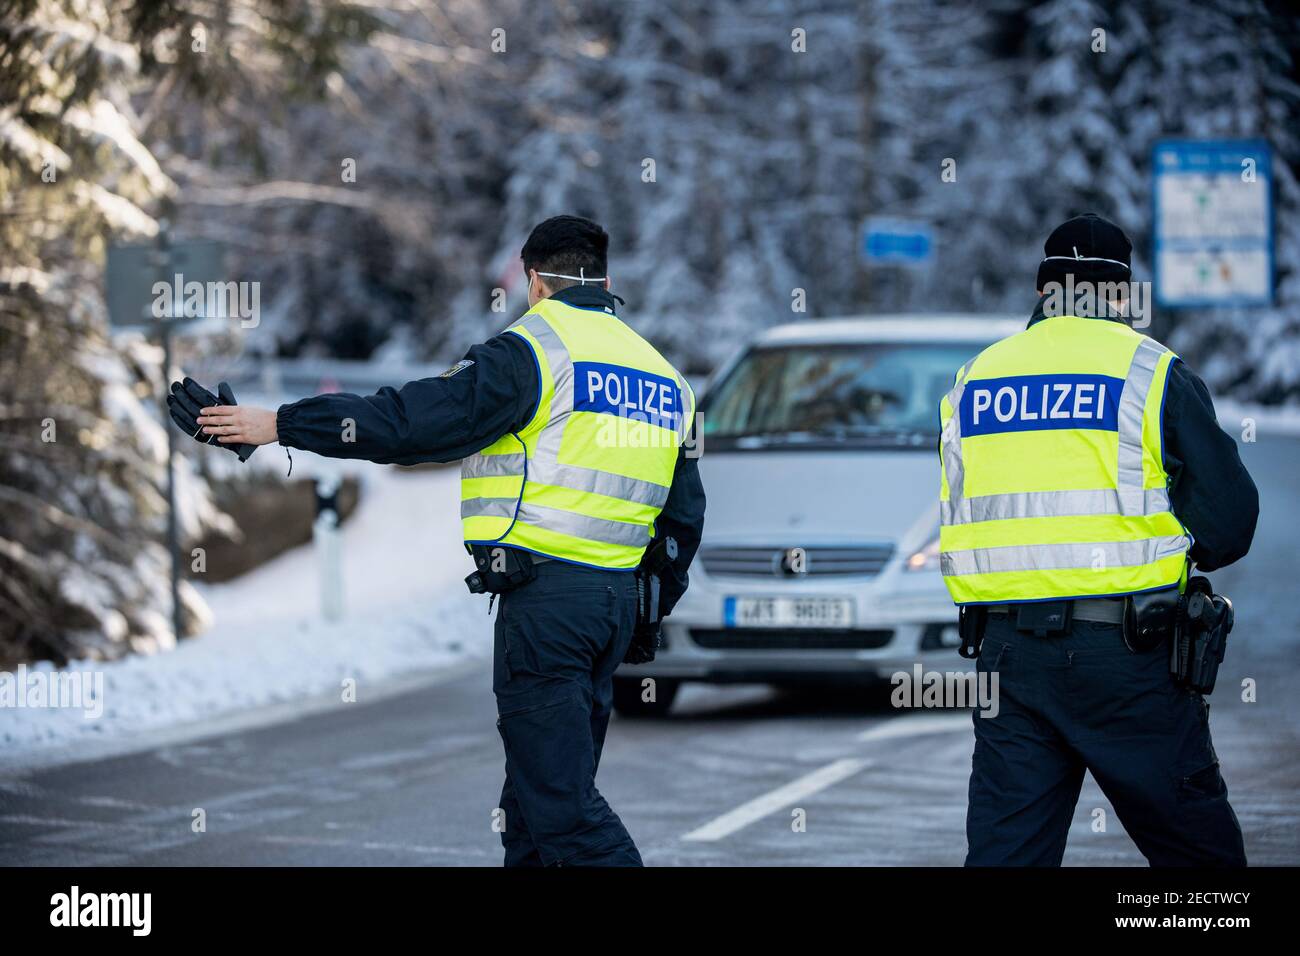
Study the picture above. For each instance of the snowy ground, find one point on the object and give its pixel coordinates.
(406, 612)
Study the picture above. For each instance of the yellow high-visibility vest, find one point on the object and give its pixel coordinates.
(585, 479)
(1052, 475)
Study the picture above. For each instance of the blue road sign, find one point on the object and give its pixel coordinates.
(904, 242)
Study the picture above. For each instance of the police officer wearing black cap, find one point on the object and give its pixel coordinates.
(581, 507)
(1071, 567)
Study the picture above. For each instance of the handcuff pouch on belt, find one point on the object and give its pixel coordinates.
(498, 569)
(1151, 618)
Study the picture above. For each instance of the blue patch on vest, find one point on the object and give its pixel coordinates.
(1022, 403)
(626, 392)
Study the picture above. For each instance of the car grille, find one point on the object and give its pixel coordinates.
(844, 560)
(797, 639)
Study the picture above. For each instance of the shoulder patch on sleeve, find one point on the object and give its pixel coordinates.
(458, 367)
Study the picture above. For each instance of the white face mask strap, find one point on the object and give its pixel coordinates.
(581, 277)
(1078, 258)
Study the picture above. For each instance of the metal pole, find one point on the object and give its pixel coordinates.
(173, 543)
(173, 532)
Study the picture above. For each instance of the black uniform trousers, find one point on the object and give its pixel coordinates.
(558, 641)
(1081, 700)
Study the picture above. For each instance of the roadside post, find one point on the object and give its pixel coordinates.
(325, 533)
(145, 284)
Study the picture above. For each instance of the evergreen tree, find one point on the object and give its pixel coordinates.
(82, 452)
(1227, 71)
(721, 145)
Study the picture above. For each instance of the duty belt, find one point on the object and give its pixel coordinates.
(1097, 610)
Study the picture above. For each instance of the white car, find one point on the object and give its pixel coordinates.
(820, 553)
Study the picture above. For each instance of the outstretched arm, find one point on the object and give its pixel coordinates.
(490, 393)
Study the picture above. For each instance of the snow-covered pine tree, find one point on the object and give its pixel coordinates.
(81, 571)
(720, 143)
(1225, 71)
(365, 212)
(945, 147)
(82, 450)
(1052, 109)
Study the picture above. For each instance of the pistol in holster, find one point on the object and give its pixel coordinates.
(1202, 639)
(1196, 623)
(647, 636)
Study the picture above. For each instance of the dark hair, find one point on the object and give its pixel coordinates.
(569, 245)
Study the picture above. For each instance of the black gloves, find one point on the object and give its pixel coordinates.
(188, 399)
(646, 639)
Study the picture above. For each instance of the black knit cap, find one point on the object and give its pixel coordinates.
(1090, 248)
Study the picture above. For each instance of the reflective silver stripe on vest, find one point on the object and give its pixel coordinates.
(684, 418)
(582, 526)
(1048, 557)
(598, 482)
(557, 357)
(545, 468)
(1132, 412)
(493, 466)
(1053, 504)
(950, 439)
(488, 507)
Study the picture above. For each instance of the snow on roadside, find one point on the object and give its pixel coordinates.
(406, 611)
(1269, 419)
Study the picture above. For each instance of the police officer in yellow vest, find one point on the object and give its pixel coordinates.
(577, 469)
(1082, 471)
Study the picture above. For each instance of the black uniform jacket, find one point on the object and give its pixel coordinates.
(490, 393)
(1211, 492)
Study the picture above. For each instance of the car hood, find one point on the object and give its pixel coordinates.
(775, 497)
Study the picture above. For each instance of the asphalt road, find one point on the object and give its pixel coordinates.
(412, 779)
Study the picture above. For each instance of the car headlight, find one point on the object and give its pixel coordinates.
(926, 559)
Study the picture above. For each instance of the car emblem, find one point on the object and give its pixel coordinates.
(792, 562)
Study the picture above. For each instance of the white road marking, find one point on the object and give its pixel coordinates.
(386, 847)
(915, 726)
(774, 800)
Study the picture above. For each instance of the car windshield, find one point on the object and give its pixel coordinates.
(870, 393)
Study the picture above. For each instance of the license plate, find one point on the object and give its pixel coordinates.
(788, 612)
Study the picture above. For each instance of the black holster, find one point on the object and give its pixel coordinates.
(1202, 638)
(498, 569)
